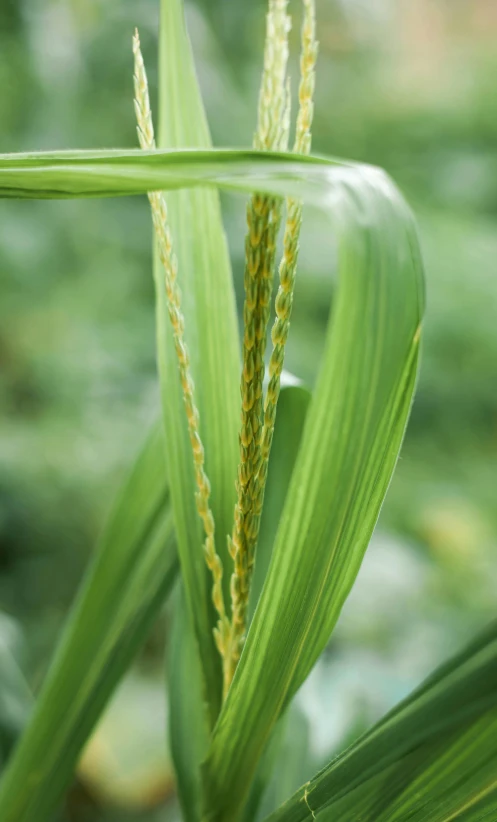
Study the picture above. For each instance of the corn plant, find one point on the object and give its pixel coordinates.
(257, 500)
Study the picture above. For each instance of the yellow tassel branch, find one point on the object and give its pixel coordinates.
(170, 265)
(256, 444)
(263, 220)
(288, 265)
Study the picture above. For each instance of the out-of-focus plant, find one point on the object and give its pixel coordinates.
(244, 642)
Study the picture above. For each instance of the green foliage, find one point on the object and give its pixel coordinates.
(368, 373)
(212, 337)
(126, 585)
(334, 454)
(432, 757)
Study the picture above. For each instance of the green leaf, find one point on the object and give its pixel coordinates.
(16, 699)
(354, 426)
(212, 337)
(188, 729)
(352, 436)
(323, 181)
(295, 762)
(292, 408)
(432, 759)
(125, 587)
(264, 771)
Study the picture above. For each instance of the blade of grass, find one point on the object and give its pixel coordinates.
(322, 181)
(263, 773)
(125, 587)
(188, 727)
(292, 409)
(175, 316)
(432, 759)
(296, 762)
(212, 337)
(16, 699)
(352, 437)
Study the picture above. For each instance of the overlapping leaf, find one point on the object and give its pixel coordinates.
(188, 726)
(292, 409)
(354, 425)
(16, 699)
(212, 338)
(133, 571)
(188, 731)
(296, 761)
(351, 440)
(432, 759)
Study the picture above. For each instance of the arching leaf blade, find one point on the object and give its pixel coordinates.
(352, 437)
(352, 433)
(126, 584)
(432, 758)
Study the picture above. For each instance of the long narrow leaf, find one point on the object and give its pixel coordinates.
(212, 337)
(292, 409)
(125, 587)
(16, 699)
(432, 759)
(188, 728)
(188, 731)
(296, 762)
(353, 433)
(323, 181)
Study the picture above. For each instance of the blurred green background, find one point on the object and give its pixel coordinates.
(406, 85)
